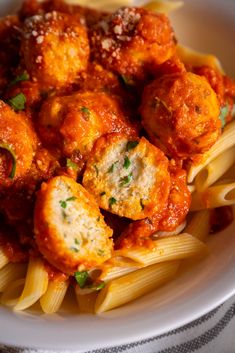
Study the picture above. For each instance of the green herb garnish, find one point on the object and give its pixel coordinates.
(111, 169)
(112, 201)
(63, 203)
(71, 164)
(131, 144)
(74, 249)
(102, 193)
(126, 180)
(86, 112)
(100, 252)
(17, 102)
(127, 163)
(22, 77)
(81, 278)
(97, 287)
(76, 241)
(6, 147)
(223, 114)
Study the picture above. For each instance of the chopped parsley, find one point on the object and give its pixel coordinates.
(63, 203)
(126, 180)
(102, 193)
(126, 80)
(127, 163)
(74, 249)
(131, 144)
(71, 164)
(81, 278)
(86, 112)
(13, 157)
(22, 77)
(17, 102)
(111, 169)
(112, 201)
(223, 114)
(98, 286)
(76, 241)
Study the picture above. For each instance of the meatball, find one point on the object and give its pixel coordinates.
(55, 48)
(167, 219)
(17, 143)
(75, 122)
(69, 229)
(181, 114)
(127, 177)
(133, 41)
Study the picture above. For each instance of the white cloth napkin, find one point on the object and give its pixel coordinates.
(212, 333)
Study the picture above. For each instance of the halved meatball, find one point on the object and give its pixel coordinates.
(55, 48)
(18, 143)
(75, 122)
(127, 177)
(133, 41)
(69, 229)
(181, 114)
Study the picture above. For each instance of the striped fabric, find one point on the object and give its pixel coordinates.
(212, 333)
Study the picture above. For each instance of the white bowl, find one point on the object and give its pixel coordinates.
(208, 25)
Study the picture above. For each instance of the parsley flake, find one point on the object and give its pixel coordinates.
(223, 114)
(98, 286)
(63, 203)
(126, 180)
(97, 170)
(131, 144)
(6, 147)
(86, 112)
(81, 278)
(20, 78)
(127, 163)
(141, 204)
(71, 164)
(112, 201)
(102, 193)
(111, 169)
(18, 102)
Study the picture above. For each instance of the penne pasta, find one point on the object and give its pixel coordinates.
(166, 249)
(10, 273)
(53, 298)
(199, 225)
(215, 169)
(226, 141)
(162, 6)
(3, 258)
(134, 285)
(193, 57)
(11, 295)
(215, 196)
(86, 302)
(36, 283)
(101, 4)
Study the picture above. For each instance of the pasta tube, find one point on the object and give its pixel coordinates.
(53, 298)
(193, 57)
(12, 294)
(86, 302)
(134, 285)
(163, 6)
(3, 258)
(215, 196)
(199, 225)
(215, 169)
(36, 283)
(226, 140)
(10, 273)
(166, 249)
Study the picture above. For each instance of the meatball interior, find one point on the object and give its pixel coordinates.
(69, 229)
(127, 177)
